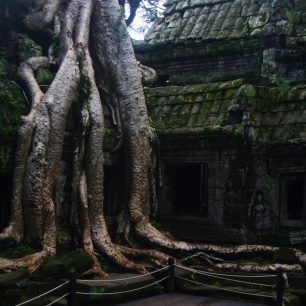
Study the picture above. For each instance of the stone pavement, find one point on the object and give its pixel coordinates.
(184, 300)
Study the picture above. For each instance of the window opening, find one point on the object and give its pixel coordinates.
(295, 199)
(5, 199)
(188, 188)
(114, 190)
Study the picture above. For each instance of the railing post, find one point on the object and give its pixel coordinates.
(280, 287)
(72, 300)
(171, 273)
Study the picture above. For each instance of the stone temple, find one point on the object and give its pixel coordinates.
(229, 109)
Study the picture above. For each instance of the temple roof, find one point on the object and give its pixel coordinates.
(261, 114)
(222, 19)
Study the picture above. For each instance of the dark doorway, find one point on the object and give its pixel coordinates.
(295, 199)
(188, 188)
(114, 190)
(5, 199)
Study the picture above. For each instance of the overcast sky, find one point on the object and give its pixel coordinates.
(139, 23)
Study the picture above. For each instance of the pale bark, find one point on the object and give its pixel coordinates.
(257, 268)
(26, 74)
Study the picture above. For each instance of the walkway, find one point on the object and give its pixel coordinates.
(174, 299)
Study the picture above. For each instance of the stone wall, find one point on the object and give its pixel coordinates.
(199, 41)
(249, 137)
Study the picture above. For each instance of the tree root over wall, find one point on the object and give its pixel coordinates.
(95, 63)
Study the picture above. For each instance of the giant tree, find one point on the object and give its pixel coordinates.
(90, 50)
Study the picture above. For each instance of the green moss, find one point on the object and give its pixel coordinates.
(294, 131)
(55, 48)
(11, 100)
(237, 83)
(207, 87)
(3, 68)
(84, 87)
(284, 255)
(12, 278)
(208, 105)
(258, 259)
(229, 94)
(20, 250)
(237, 128)
(28, 48)
(292, 16)
(249, 91)
(44, 76)
(59, 266)
(150, 97)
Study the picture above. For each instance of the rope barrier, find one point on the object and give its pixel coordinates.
(201, 253)
(60, 298)
(194, 255)
(230, 275)
(224, 278)
(43, 294)
(122, 292)
(83, 281)
(224, 289)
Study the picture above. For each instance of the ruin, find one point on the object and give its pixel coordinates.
(229, 109)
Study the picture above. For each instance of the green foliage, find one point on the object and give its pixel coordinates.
(292, 16)
(11, 101)
(55, 48)
(105, 263)
(20, 250)
(84, 87)
(3, 68)
(44, 76)
(59, 266)
(28, 48)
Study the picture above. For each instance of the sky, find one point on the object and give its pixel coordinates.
(138, 23)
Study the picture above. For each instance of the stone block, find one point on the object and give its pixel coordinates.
(272, 118)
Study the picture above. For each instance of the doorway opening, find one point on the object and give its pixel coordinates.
(5, 199)
(188, 188)
(114, 190)
(293, 199)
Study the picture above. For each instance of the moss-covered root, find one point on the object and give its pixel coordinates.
(30, 262)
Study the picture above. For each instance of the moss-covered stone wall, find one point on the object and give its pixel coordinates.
(204, 41)
(247, 135)
(261, 114)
